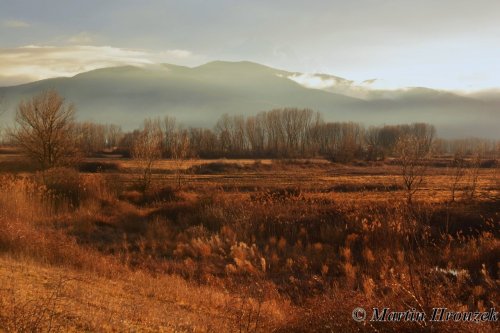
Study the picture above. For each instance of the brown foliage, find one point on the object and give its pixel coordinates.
(45, 130)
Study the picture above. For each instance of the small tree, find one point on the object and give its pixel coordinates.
(2, 111)
(44, 129)
(374, 150)
(413, 149)
(177, 145)
(458, 173)
(180, 152)
(147, 149)
(170, 132)
(473, 176)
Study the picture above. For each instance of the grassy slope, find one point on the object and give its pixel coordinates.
(33, 295)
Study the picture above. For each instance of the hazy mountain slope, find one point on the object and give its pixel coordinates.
(492, 95)
(198, 96)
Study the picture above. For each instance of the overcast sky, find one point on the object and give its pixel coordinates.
(450, 44)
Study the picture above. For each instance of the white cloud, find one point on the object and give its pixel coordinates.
(336, 84)
(34, 62)
(15, 24)
(313, 81)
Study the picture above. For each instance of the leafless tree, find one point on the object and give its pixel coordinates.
(178, 144)
(413, 149)
(373, 145)
(256, 133)
(459, 165)
(147, 150)
(44, 129)
(169, 129)
(2, 111)
(180, 152)
(473, 176)
(114, 134)
(202, 143)
(291, 133)
(91, 137)
(230, 131)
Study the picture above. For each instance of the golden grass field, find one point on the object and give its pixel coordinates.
(241, 246)
(317, 177)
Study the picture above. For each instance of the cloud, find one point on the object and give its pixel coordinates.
(336, 84)
(15, 24)
(34, 62)
(313, 81)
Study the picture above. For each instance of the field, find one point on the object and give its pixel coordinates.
(243, 246)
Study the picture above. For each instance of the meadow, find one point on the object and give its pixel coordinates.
(242, 245)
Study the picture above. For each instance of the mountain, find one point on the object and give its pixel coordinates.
(492, 95)
(198, 96)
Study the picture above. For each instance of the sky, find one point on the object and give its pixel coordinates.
(445, 44)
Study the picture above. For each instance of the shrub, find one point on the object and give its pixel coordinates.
(63, 183)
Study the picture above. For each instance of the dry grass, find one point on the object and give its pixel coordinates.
(242, 246)
(34, 297)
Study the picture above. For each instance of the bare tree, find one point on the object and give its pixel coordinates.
(413, 149)
(256, 133)
(114, 134)
(180, 152)
(2, 111)
(44, 129)
(374, 150)
(459, 165)
(91, 137)
(473, 176)
(178, 142)
(147, 150)
(169, 129)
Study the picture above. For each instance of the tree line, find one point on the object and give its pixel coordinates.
(279, 133)
(47, 131)
(297, 133)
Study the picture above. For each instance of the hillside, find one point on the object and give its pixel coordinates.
(198, 96)
(48, 298)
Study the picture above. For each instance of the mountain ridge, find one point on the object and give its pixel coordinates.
(199, 95)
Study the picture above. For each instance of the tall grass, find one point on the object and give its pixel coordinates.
(31, 215)
(316, 256)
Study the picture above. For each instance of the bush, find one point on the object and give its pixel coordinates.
(67, 186)
(158, 195)
(63, 183)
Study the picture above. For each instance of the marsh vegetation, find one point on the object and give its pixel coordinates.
(290, 225)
